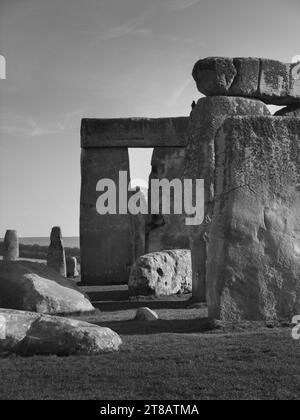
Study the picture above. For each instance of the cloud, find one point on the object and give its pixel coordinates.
(11, 124)
(296, 59)
(178, 92)
(180, 4)
(132, 26)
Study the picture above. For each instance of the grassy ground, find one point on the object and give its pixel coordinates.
(178, 357)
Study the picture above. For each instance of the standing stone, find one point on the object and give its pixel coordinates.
(271, 81)
(253, 268)
(167, 231)
(11, 246)
(139, 222)
(106, 241)
(56, 258)
(205, 121)
(72, 270)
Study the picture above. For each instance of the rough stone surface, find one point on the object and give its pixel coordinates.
(253, 267)
(139, 222)
(146, 314)
(106, 241)
(35, 287)
(34, 334)
(167, 231)
(161, 273)
(134, 132)
(72, 270)
(56, 257)
(2, 328)
(11, 246)
(289, 111)
(270, 81)
(206, 119)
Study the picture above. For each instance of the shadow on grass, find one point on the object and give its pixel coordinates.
(177, 326)
(108, 295)
(152, 304)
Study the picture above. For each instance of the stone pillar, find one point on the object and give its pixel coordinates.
(109, 242)
(11, 246)
(56, 258)
(253, 267)
(139, 222)
(205, 121)
(106, 241)
(167, 232)
(72, 270)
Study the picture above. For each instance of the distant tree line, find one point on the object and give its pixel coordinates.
(40, 252)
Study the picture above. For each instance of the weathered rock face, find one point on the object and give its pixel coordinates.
(106, 241)
(161, 273)
(167, 231)
(146, 314)
(35, 287)
(139, 222)
(72, 270)
(253, 267)
(11, 246)
(2, 328)
(133, 132)
(31, 334)
(270, 81)
(56, 257)
(289, 111)
(206, 119)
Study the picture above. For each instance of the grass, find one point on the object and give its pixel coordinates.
(178, 357)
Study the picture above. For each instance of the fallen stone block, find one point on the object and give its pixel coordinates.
(29, 334)
(271, 81)
(162, 273)
(146, 314)
(31, 286)
(253, 265)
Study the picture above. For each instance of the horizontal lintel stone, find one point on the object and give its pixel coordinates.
(134, 132)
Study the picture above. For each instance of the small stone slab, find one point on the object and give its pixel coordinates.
(146, 314)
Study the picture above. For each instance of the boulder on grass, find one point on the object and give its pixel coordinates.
(146, 314)
(31, 286)
(29, 334)
(162, 273)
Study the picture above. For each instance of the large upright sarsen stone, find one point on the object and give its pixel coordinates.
(167, 231)
(253, 268)
(106, 241)
(206, 119)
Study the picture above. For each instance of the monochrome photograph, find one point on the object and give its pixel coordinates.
(149, 203)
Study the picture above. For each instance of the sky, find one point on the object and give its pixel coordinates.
(69, 59)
